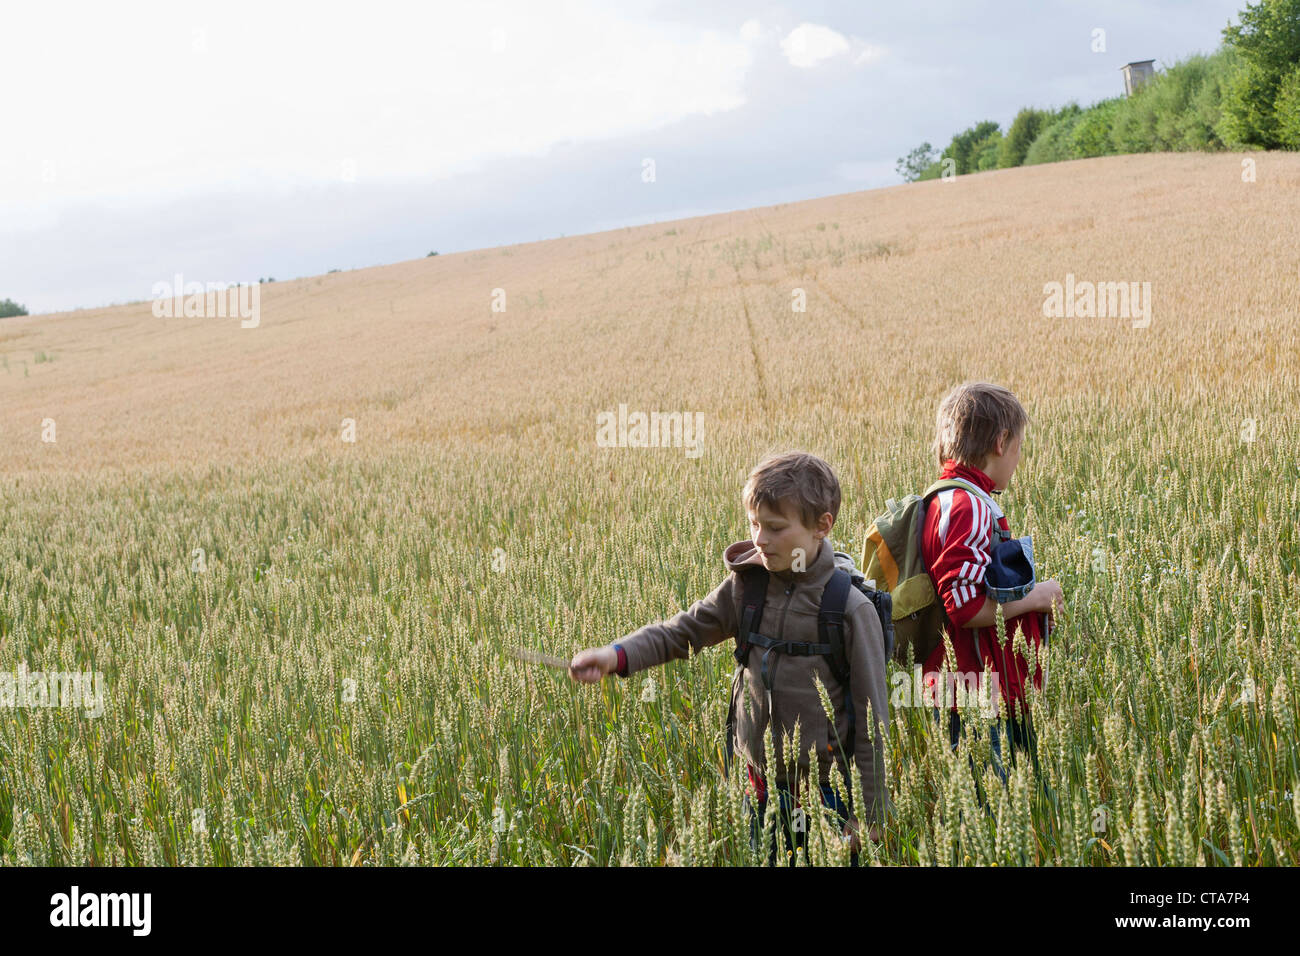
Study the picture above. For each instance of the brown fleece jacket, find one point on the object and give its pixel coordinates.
(790, 614)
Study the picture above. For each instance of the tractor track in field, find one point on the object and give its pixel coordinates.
(826, 291)
(759, 375)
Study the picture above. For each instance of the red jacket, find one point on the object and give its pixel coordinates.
(955, 546)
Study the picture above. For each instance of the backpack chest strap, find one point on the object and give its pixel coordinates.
(830, 628)
(792, 648)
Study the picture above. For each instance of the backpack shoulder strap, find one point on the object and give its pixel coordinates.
(830, 631)
(944, 484)
(972, 488)
(995, 512)
(830, 621)
(751, 609)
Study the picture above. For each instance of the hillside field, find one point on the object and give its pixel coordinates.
(306, 641)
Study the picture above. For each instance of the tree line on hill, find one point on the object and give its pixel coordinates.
(1246, 95)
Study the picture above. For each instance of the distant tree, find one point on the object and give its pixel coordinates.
(985, 152)
(1053, 142)
(910, 167)
(1288, 110)
(1178, 110)
(1024, 130)
(1132, 124)
(1268, 41)
(1244, 95)
(968, 144)
(434, 253)
(1091, 135)
(8, 308)
(1192, 99)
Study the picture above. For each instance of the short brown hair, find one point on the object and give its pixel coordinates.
(804, 481)
(970, 419)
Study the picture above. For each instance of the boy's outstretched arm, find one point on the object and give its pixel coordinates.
(708, 621)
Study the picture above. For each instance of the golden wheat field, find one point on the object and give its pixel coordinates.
(305, 641)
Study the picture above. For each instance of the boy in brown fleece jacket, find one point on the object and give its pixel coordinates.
(792, 501)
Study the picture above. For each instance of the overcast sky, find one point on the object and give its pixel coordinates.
(227, 141)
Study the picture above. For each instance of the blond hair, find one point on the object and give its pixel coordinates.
(803, 480)
(971, 418)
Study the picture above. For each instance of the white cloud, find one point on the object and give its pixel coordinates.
(809, 44)
(249, 95)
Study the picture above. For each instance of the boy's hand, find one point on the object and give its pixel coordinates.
(591, 665)
(851, 830)
(1050, 592)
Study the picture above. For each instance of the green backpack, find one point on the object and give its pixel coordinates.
(892, 561)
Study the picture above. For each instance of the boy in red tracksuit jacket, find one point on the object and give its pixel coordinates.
(979, 429)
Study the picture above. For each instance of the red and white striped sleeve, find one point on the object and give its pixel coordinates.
(961, 532)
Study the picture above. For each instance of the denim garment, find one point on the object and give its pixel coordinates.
(1010, 574)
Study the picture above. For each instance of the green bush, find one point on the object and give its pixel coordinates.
(1024, 130)
(933, 171)
(1052, 145)
(1091, 135)
(1133, 123)
(1178, 110)
(984, 154)
(967, 147)
(1178, 125)
(1204, 126)
(8, 308)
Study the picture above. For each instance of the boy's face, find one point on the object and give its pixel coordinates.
(779, 535)
(1001, 465)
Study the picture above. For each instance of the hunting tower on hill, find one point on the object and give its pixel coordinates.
(1137, 74)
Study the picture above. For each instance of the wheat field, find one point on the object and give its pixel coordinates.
(306, 641)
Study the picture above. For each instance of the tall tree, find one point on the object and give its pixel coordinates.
(1268, 40)
(911, 166)
(1024, 130)
(9, 307)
